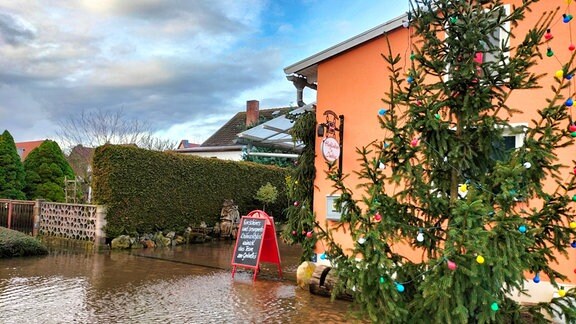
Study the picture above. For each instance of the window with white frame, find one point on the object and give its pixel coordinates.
(497, 40)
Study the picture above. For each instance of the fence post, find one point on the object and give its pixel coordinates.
(100, 237)
(10, 207)
(37, 212)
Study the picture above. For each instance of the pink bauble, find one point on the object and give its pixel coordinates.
(451, 265)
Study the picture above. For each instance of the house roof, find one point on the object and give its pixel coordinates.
(85, 153)
(275, 132)
(184, 144)
(226, 135)
(308, 67)
(24, 148)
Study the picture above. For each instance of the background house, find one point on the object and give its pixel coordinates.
(24, 148)
(223, 144)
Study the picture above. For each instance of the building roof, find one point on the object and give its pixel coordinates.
(24, 148)
(275, 132)
(308, 67)
(227, 134)
(184, 144)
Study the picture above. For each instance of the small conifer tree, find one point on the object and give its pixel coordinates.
(451, 190)
(46, 168)
(11, 169)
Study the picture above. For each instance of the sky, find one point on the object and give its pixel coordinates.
(184, 67)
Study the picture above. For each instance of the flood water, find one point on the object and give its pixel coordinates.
(191, 284)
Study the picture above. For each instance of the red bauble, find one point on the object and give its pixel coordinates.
(571, 47)
(377, 217)
(293, 232)
(309, 234)
(452, 265)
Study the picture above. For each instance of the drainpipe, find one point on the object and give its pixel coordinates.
(300, 83)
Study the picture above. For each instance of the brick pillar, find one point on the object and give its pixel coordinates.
(100, 237)
(37, 214)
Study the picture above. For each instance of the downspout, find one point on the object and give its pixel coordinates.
(300, 83)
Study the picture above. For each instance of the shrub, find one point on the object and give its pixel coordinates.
(15, 244)
(267, 194)
(147, 191)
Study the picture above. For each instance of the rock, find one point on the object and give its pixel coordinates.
(179, 240)
(161, 241)
(136, 245)
(197, 238)
(121, 242)
(148, 243)
(171, 235)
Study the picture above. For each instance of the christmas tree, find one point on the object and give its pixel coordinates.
(300, 187)
(476, 214)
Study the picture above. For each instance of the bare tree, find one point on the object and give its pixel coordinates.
(99, 127)
(80, 134)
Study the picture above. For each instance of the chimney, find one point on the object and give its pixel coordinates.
(252, 112)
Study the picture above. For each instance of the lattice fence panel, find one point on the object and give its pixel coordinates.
(71, 221)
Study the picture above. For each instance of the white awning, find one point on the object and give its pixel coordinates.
(275, 133)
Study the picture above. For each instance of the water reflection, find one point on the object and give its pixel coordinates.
(161, 287)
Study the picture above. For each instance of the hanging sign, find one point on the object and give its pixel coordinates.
(330, 149)
(255, 243)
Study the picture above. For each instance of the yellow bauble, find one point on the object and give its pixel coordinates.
(572, 225)
(480, 259)
(559, 74)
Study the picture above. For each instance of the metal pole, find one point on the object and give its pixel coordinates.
(341, 145)
(283, 155)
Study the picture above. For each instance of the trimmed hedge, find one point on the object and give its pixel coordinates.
(147, 191)
(16, 244)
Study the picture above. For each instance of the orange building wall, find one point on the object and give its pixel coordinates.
(353, 83)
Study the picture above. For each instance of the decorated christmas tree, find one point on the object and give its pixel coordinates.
(300, 187)
(451, 219)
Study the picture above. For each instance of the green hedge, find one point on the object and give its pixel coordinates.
(147, 191)
(15, 244)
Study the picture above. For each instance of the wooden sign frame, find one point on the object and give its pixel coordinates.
(255, 243)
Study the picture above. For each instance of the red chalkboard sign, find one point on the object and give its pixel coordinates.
(255, 243)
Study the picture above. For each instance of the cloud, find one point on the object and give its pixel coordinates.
(185, 67)
(14, 30)
(23, 115)
(163, 62)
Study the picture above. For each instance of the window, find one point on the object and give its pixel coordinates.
(489, 51)
(499, 39)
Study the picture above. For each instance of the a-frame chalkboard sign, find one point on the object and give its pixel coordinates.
(255, 243)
